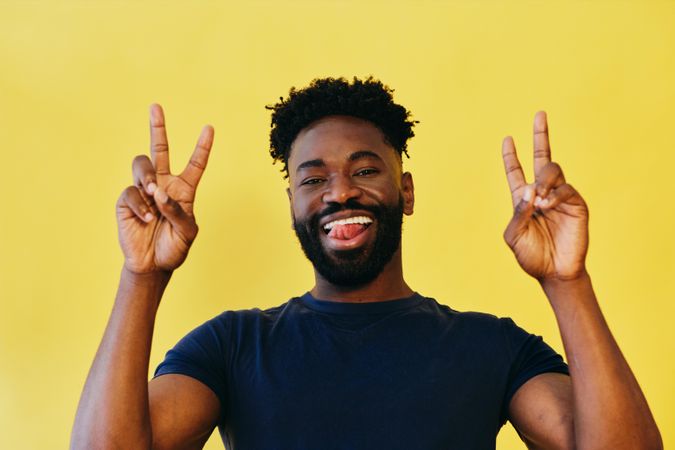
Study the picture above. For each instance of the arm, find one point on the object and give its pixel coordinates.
(156, 228)
(601, 406)
(610, 409)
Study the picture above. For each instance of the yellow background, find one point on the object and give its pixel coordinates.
(76, 79)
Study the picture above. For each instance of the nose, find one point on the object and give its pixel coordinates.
(341, 189)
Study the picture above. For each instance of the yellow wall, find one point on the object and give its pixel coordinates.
(75, 82)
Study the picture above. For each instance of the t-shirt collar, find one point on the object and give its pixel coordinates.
(383, 307)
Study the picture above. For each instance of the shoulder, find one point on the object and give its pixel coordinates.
(475, 320)
(241, 317)
(229, 327)
(499, 333)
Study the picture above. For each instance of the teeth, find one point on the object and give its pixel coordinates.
(358, 219)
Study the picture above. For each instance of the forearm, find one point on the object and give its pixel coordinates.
(610, 410)
(113, 410)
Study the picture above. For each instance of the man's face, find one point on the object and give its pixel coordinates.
(348, 196)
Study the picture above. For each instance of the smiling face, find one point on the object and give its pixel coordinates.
(347, 197)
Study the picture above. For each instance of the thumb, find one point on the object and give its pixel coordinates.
(522, 215)
(180, 221)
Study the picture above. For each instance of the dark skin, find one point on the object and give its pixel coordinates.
(599, 406)
(334, 175)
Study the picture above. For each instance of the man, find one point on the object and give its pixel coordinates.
(361, 360)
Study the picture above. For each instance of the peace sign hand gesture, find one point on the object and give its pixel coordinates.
(549, 229)
(155, 216)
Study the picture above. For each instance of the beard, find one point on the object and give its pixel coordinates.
(352, 268)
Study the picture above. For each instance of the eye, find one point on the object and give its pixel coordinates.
(310, 181)
(365, 172)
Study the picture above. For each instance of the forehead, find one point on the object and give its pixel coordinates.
(334, 138)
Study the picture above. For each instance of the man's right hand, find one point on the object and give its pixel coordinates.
(155, 216)
(156, 227)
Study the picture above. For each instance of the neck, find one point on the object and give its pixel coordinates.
(388, 285)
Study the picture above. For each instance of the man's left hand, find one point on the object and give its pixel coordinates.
(549, 229)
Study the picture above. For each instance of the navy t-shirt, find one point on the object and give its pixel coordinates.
(400, 374)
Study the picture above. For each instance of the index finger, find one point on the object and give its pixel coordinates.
(514, 171)
(542, 148)
(159, 145)
(200, 156)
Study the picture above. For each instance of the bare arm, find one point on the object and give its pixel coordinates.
(183, 412)
(602, 405)
(114, 405)
(609, 407)
(156, 228)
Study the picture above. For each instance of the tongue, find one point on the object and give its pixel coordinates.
(346, 232)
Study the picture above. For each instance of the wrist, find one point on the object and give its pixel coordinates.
(568, 291)
(557, 282)
(145, 285)
(157, 276)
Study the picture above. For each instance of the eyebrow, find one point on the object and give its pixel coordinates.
(352, 157)
(363, 154)
(311, 163)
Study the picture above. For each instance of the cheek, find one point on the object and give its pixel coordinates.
(383, 192)
(300, 207)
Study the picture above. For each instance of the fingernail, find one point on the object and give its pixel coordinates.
(527, 195)
(152, 187)
(161, 196)
(148, 217)
(543, 203)
(537, 201)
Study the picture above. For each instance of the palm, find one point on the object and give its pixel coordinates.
(554, 242)
(548, 239)
(156, 245)
(162, 243)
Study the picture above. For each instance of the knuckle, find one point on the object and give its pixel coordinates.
(192, 233)
(554, 169)
(143, 170)
(132, 198)
(508, 235)
(160, 147)
(122, 199)
(129, 191)
(541, 152)
(197, 164)
(139, 160)
(512, 168)
(174, 207)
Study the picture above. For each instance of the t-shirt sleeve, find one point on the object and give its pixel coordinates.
(530, 356)
(201, 354)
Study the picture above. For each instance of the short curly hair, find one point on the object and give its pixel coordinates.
(367, 99)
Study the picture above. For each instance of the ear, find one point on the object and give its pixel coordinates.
(290, 204)
(408, 188)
